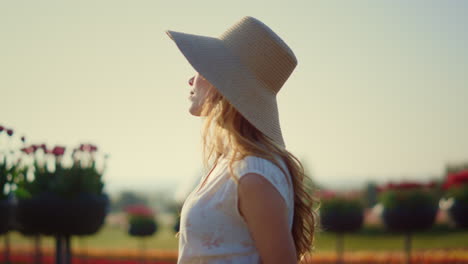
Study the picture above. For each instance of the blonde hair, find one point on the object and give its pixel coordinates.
(226, 132)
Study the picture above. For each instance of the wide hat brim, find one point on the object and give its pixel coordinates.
(252, 98)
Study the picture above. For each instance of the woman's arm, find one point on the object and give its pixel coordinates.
(265, 213)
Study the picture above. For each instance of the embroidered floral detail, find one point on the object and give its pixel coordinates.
(219, 206)
(209, 242)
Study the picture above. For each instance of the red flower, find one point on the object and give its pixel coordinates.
(34, 147)
(139, 209)
(456, 179)
(84, 147)
(9, 132)
(1, 128)
(43, 147)
(432, 184)
(58, 151)
(88, 147)
(93, 148)
(407, 185)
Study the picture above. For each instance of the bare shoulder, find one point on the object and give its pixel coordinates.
(253, 180)
(263, 197)
(265, 212)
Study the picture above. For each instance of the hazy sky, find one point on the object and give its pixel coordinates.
(380, 91)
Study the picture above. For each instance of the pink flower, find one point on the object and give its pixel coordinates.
(28, 150)
(327, 194)
(84, 147)
(139, 209)
(88, 147)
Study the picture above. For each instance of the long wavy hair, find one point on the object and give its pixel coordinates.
(226, 132)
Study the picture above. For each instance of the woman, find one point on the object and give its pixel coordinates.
(254, 205)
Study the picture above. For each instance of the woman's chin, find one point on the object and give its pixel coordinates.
(194, 112)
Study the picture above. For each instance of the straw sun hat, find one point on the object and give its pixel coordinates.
(248, 64)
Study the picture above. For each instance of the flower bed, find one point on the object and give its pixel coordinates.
(126, 256)
(141, 221)
(341, 213)
(11, 167)
(66, 200)
(24, 255)
(409, 206)
(456, 186)
(371, 257)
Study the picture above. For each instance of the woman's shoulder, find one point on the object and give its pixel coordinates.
(257, 161)
(262, 166)
(268, 170)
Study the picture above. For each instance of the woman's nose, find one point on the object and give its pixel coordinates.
(191, 80)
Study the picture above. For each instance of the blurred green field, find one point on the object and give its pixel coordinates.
(369, 238)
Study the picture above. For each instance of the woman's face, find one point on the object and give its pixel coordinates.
(201, 88)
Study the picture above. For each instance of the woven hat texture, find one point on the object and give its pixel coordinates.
(248, 64)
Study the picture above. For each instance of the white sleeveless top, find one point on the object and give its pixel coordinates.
(212, 231)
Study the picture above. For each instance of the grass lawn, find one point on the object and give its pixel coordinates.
(367, 239)
(379, 240)
(109, 238)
